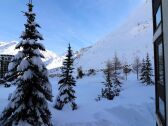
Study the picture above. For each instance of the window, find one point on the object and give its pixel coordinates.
(160, 64)
(158, 16)
(162, 108)
(160, 80)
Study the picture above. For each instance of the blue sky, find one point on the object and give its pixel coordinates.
(80, 22)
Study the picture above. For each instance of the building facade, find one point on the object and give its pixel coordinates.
(4, 62)
(160, 40)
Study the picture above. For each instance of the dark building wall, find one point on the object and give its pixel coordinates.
(160, 39)
(4, 62)
(165, 39)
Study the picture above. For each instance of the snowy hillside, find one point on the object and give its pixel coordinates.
(51, 60)
(134, 37)
(134, 106)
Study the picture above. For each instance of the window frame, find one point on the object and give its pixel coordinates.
(155, 18)
(160, 89)
(156, 5)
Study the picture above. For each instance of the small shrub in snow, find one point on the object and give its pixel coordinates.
(66, 94)
(91, 72)
(80, 73)
(98, 98)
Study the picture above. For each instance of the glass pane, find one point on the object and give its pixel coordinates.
(158, 17)
(160, 64)
(162, 108)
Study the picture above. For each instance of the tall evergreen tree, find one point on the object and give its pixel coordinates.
(117, 66)
(109, 90)
(146, 72)
(28, 104)
(112, 87)
(142, 75)
(66, 94)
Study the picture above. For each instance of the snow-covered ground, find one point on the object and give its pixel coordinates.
(134, 106)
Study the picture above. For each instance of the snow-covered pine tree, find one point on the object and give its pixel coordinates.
(117, 83)
(146, 72)
(28, 104)
(149, 70)
(66, 94)
(109, 90)
(117, 66)
(143, 69)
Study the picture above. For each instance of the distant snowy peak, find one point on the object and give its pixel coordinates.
(132, 38)
(139, 21)
(51, 59)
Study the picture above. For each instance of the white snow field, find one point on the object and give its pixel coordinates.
(134, 106)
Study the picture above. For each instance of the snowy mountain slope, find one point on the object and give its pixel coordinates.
(51, 60)
(132, 38)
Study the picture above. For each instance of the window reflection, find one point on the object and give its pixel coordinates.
(162, 108)
(158, 17)
(160, 64)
